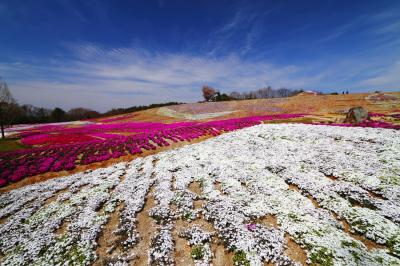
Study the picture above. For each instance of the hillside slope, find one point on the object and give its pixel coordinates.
(48, 150)
(388, 102)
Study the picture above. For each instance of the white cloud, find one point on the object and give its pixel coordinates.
(239, 32)
(387, 79)
(102, 78)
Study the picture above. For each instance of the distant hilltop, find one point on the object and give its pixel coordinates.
(308, 102)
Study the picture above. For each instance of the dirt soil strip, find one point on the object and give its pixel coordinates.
(182, 248)
(294, 251)
(195, 188)
(108, 239)
(269, 221)
(146, 228)
(221, 256)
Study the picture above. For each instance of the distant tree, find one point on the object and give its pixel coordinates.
(283, 92)
(265, 93)
(7, 106)
(225, 97)
(253, 95)
(208, 93)
(235, 95)
(58, 115)
(221, 97)
(82, 113)
(28, 114)
(43, 115)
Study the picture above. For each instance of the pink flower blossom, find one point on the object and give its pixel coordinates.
(251, 227)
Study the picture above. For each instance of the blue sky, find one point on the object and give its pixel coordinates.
(104, 54)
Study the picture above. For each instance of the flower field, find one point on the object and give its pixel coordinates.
(278, 193)
(61, 148)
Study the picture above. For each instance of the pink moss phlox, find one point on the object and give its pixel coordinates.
(251, 227)
(376, 114)
(68, 147)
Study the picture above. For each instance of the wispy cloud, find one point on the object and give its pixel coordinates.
(382, 23)
(388, 28)
(102, 78)
(73, 9)
(239, 32)
(340, 31)
(388, 78)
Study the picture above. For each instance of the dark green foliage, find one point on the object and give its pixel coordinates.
(10, 145)
(58, 115)
(347, 244)
(197, 252)
(29, 114)
(391, 243)
(240, 259)
(322, 257)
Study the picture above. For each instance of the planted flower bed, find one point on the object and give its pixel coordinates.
(68, 147)
(63, 148)
(334, 194)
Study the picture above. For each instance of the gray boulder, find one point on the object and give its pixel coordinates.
(356, 115)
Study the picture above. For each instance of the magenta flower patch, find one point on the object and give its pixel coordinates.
(63, 148)
(251, 227)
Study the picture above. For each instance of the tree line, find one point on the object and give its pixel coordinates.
(212, 95)
(12, 113)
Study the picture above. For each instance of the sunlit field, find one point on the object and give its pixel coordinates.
(199, 133)
(284, 194)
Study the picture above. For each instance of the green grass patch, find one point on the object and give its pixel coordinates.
(391, 180)
(188, 215)
(240, 259)
(347, 244)
(11, 145)
(197, 252)
(322, 257)
(393, 244)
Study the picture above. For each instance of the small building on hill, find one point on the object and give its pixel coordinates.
(305, 93)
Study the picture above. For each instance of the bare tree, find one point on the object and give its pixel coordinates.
(264, 93)
(208, 93)
(7, 105)
(283, 92)
(235, 95)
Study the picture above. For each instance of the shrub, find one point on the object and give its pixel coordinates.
(197, 252)
(240, 259)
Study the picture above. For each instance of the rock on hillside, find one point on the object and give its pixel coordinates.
(356, 115)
